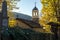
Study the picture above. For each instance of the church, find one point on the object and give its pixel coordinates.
(23, 23)
(30, 24)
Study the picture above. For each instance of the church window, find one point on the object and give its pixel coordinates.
(34, 14)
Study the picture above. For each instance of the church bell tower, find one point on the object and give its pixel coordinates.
(35, 14)
(4, 14)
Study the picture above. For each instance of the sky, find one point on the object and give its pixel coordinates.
(26, 6)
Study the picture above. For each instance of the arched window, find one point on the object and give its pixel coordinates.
(36, 13)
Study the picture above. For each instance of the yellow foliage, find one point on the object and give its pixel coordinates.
(48, 13)
(12, 23)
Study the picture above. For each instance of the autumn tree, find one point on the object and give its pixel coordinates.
(50, 12)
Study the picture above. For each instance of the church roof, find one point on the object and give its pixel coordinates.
(35, 8)
(30, 23)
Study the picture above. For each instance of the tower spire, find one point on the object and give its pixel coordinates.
(35, 4)
(35, 14)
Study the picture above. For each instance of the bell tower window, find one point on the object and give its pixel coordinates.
(36, 14)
